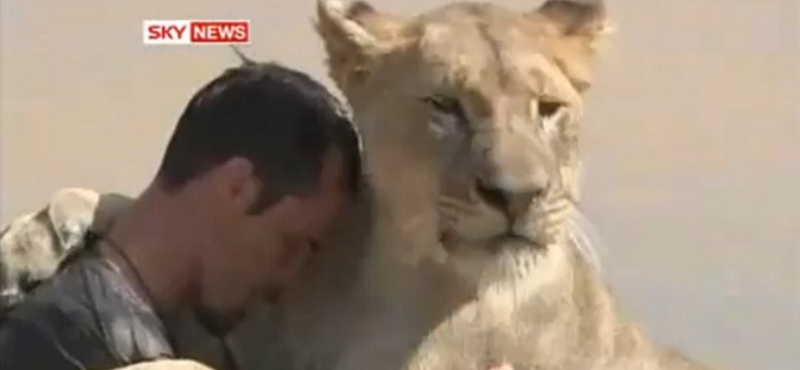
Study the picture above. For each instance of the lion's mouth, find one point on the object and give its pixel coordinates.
(507, 240)
(514, 240)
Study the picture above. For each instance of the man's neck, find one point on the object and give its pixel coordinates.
(154, 242)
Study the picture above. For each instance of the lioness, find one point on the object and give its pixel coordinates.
(469, 115)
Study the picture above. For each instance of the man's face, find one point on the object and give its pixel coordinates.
(302, 223)
(259, 255)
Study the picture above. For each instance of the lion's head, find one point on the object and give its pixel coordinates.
(493, 95)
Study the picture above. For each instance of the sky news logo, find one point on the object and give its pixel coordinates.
(195, 32)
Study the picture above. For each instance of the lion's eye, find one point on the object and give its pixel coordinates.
(443, 104)
(550, 114)
(447, 115)
(548, 109)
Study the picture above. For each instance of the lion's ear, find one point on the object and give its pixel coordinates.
(353, 34)
(579, 28)
(354, 28)
(585, 18)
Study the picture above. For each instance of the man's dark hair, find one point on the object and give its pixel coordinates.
(281, 120)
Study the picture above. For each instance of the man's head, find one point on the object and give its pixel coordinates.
(268, 160)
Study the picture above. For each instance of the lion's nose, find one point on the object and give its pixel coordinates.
(511, 202)
(515, 170)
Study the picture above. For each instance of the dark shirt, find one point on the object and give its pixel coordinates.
(87, 316)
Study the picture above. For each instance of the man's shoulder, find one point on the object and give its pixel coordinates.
(87, 312)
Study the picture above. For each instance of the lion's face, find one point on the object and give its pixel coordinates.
(493, 95)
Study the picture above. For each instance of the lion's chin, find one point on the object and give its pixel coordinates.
(490, 244)
(500, 254)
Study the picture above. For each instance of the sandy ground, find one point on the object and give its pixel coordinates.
(692, 142)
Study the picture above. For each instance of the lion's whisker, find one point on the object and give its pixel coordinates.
(581, 231)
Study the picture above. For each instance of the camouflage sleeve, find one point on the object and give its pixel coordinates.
(33, 245)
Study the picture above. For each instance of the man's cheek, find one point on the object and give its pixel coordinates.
(331, 220)
(293, 259)
(301, 218)
(316, 224)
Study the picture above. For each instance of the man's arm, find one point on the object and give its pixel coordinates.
(24, 346)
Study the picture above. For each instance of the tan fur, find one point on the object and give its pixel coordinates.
(418, 300)
(166, 365)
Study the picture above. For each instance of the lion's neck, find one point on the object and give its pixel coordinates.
(520, 277)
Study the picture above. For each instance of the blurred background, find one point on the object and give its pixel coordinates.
(692, 141)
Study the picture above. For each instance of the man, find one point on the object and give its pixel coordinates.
(258, 168)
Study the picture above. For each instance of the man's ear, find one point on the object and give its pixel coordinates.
(353, 34)
(238, 179)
